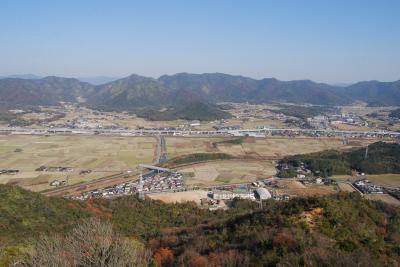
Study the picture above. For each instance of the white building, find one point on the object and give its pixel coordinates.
(263, 193)
(226, 195)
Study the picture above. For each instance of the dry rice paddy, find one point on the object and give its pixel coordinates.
(227, 171)
(102, 154)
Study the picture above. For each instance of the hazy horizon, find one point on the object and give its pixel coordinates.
(334, 43)
(113, 78)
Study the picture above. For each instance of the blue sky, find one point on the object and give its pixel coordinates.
(328, 41)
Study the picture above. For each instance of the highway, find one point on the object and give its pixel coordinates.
(169, 132)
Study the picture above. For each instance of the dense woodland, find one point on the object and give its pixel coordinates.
(188, 111)
(380, 158)
(198, 157)
(339, 230)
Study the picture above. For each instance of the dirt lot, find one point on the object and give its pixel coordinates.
(227, 171)
(180, 197)
(102, 154)
(297, 189)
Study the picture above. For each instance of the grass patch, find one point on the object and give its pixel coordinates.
(236, 141)
(199, 157)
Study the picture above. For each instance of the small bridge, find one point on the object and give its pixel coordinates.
(155, 168)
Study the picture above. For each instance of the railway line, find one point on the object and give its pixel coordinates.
(171, 132)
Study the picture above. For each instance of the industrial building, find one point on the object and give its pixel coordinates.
(263, 193)
(228, 195)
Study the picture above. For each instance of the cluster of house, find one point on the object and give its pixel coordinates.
(58, 182)
(9, 172)
(318, 180)
(304, 175)
(163, 182)
(318, 122)
(117, 190)
(54, 169)
(324, 122)
(367, 187)
(226, 127)
(347, 119)
(300, 171)
(83, 123)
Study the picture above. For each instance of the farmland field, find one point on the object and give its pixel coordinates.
(178, 146)
(379, 179)
(274, 147)
(227, 171)
(385, 179)
(105, 155)
(295, 188)
(102, 154)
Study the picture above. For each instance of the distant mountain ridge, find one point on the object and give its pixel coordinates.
(136, 92)
(45, 91)
(219, 87)
(98, 80)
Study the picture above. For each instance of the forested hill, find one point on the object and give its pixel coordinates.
(339, 230)
(137, 91)
(380, 158)
(45, 91)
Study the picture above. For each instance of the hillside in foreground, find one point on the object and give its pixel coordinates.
(339, 230)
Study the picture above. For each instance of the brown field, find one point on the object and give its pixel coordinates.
(178, 146)
(390, 180)
(345, 187)
(104, 155)
(179, 197)
(270, 147)
(385, 179)
(297, 189)
(227, 171)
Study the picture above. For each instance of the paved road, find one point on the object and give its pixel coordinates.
(163, 151)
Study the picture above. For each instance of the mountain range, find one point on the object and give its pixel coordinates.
(172, 91)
